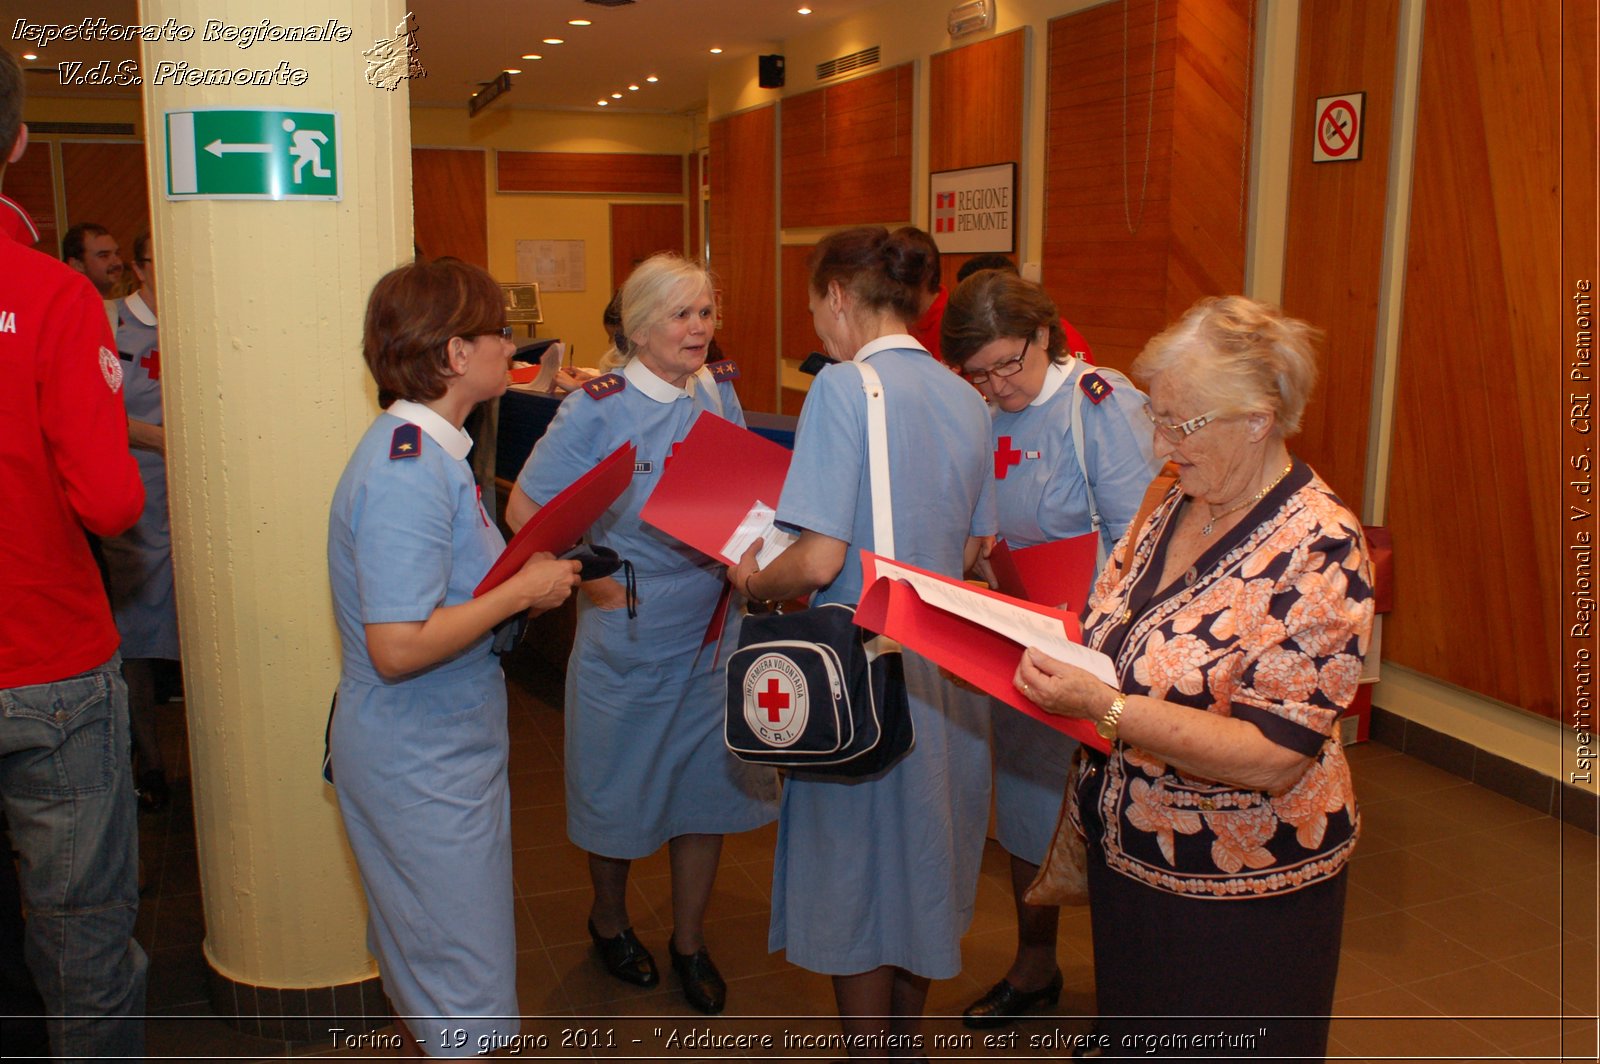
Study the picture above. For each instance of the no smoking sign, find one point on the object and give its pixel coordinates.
(1338, 134)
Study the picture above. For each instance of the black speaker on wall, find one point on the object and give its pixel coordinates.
(771, 72)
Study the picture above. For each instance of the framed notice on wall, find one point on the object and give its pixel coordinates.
(974, 209)
(555, 265)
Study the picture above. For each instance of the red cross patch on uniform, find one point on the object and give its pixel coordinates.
(610, 384)
(1094, 386)
(725, 370)
(406, 441)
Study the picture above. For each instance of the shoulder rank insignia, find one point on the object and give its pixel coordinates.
(1094, 386)
(609, 384)
(406, 441)
(725, 370)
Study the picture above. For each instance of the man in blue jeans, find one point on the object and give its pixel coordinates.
(65, 776)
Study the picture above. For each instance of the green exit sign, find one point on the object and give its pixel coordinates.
(252, 153)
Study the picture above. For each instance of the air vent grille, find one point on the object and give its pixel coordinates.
(832, 68)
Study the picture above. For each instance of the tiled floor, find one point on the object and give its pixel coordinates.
(1470, 931)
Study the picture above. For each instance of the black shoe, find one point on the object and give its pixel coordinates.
(152, 790)
(1005, 1003)
(625, 957)
(703, 986)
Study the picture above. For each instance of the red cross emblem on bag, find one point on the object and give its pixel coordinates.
(775, 704)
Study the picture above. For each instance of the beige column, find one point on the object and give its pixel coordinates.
(265, 395)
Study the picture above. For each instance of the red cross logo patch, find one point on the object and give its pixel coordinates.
(1005, 456)
(775, 703)
(152, 362)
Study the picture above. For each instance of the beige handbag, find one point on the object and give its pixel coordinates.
(1063, 877)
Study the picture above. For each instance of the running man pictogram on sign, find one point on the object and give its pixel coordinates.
(1338, 133)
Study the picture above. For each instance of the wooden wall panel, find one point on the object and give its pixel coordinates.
(794, 316)
(449, 203)
(31, 181)
(548, 171)
(1474, 489)
(639, 230)
(105, 183)
(847, 152)
(744, 243)
(1146, 165)
(1336, 229)
(697, 240)
(975, 112)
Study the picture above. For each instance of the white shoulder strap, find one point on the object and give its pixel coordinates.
(1095, 522)
(708, 384)
(878, 455)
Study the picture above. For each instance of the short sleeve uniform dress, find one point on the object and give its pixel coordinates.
(1041, 497)
(140, 560)
(420, 763)
(645, 759)
(882, 870)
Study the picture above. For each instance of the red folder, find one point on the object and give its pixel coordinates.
(562, 521)
(710, 481)
(521, 373)
(1058, 573)
(982, 657)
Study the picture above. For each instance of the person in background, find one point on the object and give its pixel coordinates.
(931, 292)
(89, 248)
(418, 738)
(875, 877)
(66, 779)
(139, 562)
(1077, 346)
(1072, 456)
(645, 760)
(1221, 824)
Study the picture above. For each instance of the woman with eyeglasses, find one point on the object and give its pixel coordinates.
(1071, 456)
(646, 765)
(418, 739)
(1220, 825)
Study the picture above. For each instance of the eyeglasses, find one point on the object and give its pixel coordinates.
(1183, 429)
(1007, 368)
(504, 332)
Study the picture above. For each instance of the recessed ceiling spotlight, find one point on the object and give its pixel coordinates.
(805, 11)
(616, 96)
(652, 79)
(533, 55)
(30, 55)
(603, 103)
(512, 70)
(633, 88)
(579, 22)
(716, 51)
(554, 40)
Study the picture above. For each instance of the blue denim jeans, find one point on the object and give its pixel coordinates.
(67, 784)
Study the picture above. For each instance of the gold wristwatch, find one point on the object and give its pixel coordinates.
(1106, 726)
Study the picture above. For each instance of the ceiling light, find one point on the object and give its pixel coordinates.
(554, 40)
(616, 96)
(633, 88)
(533, 55)
(30, 55)
(603, 103)
(652, 79)
(512, 70)
(805, 11)
(716, 51)
(579, 22)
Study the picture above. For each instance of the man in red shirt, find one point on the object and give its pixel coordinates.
(65, 776)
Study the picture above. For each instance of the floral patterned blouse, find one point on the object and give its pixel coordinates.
(1270, 626)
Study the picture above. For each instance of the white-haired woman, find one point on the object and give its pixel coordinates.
(645, 760)
(1220, 826)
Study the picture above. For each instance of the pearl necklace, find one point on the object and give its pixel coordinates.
(1205, 529)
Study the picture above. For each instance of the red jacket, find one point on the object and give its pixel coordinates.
(64, 467)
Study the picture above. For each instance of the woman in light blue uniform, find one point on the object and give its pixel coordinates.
(1005, 336)
(645, 760)
(875, 877)
(418, 739)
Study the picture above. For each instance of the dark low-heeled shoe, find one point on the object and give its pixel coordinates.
(703, 986)
(1005, 1003)
(625, 957)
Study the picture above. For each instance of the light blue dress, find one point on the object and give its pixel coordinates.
(1041, 497)
(645, 759)
(884, 869)
(420, 763)
(139, 561)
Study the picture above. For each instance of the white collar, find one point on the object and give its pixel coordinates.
(892, 342)
(140, 309)
(456, 442)
(644, 378)
(1054, 377)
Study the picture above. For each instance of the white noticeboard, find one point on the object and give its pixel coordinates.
(555, 265)
(974, 210)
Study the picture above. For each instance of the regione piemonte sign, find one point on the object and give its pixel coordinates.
(974, 210)
(252, 153)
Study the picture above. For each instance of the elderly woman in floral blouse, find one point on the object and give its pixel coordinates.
(1220, 824)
